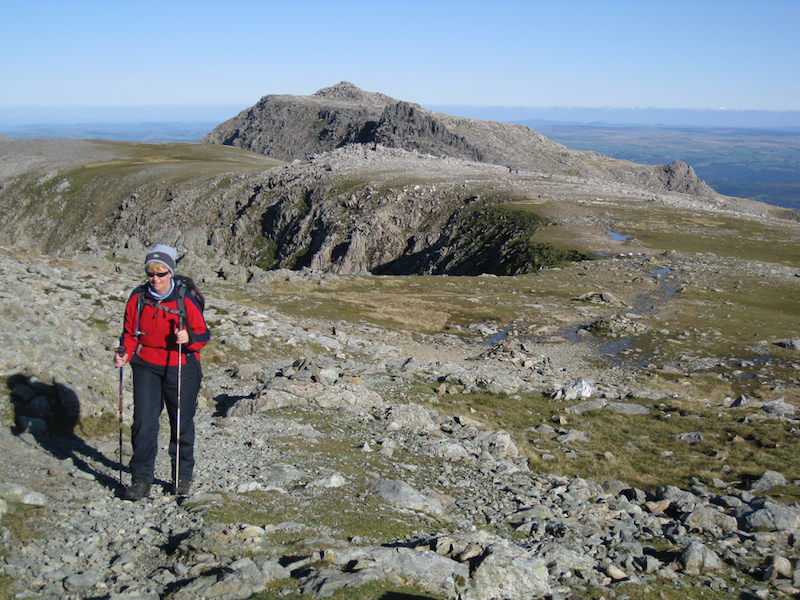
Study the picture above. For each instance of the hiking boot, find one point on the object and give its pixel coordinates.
(183, 486)
(137, 491)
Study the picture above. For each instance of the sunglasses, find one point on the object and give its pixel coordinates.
(159, 275)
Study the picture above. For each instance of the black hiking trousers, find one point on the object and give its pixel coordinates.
(155, 386)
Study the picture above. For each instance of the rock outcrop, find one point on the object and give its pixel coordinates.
(288, 127)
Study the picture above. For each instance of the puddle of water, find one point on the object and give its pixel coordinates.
(663, 272)
(497, 337)
(618, 237)
(616, 346)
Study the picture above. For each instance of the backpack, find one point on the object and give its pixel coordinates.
(184, 285)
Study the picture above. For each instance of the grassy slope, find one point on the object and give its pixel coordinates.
(728, 314)
(61, 214)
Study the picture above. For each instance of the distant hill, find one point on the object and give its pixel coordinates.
(629, 117)
(747, 154)
(145, 131)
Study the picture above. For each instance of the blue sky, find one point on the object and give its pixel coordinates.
(573, 53)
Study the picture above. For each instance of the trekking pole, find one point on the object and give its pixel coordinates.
(178, 414)
(121, 352)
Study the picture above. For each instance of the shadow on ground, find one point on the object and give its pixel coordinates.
(51, 414)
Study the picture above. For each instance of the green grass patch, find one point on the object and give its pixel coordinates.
(421, 304)
(101, 427)
(7, 592)
(343, 512)
(24, 523)
(266, 252)
(769, 242)
(660, 228)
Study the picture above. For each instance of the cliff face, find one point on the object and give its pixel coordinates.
(412, 226)
(289, 127)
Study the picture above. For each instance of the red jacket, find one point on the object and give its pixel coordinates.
(155, 342)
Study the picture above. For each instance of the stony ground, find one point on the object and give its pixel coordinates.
(318, 472)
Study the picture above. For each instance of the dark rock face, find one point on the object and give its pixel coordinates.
(407, 126)
(288, 127)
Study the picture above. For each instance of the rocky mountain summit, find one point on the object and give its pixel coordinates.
(296, 127)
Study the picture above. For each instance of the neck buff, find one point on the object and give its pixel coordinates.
(155, 296)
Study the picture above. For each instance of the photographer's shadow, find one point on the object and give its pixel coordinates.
(51, 413)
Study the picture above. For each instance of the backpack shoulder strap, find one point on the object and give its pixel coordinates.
(181, 287)
(140, 290)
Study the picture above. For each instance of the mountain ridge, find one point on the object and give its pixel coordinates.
(294, 127)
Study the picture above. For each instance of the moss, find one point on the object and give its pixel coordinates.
(25, 523)
(300, 259)
(499, 239)
(265, 251)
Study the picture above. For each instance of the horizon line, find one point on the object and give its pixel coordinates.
(209, 115)
(20, 107)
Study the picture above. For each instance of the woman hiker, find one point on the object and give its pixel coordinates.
(155, 338)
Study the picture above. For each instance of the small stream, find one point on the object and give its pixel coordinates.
(643, 304)
(613, 349)
(619, 237)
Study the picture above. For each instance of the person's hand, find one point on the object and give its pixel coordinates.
(182, 336)
(120, 359)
